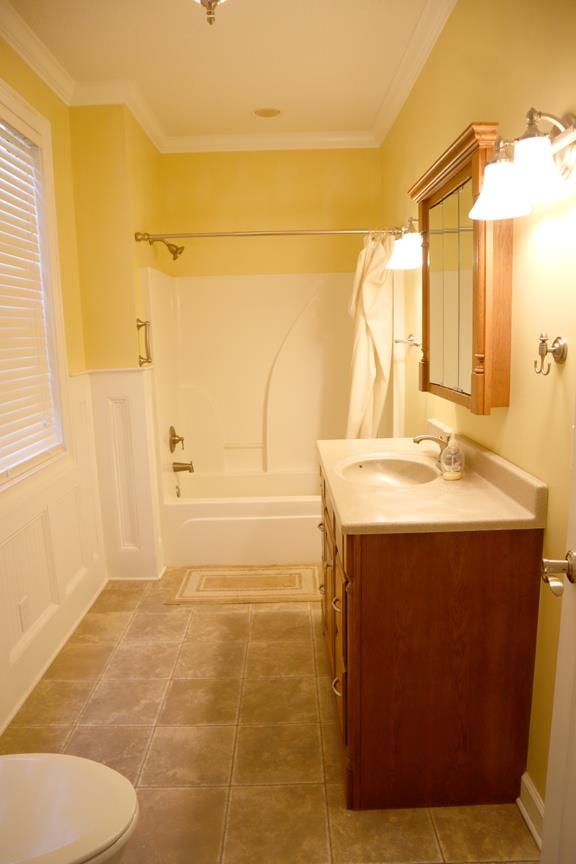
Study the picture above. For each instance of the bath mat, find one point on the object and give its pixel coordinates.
(269, 584)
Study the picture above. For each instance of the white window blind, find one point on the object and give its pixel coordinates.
(29, 422)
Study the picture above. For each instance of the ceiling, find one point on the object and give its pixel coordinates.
(338, 70)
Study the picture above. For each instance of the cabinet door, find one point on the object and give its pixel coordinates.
(339, 609)
(328, 591)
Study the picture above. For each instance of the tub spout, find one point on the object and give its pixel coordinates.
(182, 466)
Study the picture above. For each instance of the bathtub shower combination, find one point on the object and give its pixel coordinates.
(250, 371)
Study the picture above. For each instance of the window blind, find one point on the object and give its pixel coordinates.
(29, 423)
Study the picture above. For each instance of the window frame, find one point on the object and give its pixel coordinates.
(16, 112)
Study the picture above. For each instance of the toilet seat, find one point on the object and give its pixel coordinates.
(57, 809)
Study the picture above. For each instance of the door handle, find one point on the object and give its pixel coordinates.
(554, 569)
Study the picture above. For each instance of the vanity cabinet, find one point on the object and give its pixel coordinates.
(431, 640)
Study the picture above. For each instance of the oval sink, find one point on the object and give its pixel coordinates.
(388, 471)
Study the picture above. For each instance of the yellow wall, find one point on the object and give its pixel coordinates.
(115, 175)
(493, 61)
(19, 76)
(270, 190)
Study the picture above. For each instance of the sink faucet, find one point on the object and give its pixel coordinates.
(182, 466)
(436, 438)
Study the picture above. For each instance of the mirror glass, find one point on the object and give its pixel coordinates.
(451, 254)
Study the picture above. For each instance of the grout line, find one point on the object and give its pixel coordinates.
(226, 823)
(436, 835)
(76, 723)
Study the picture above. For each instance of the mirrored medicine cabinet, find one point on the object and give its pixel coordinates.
(466, 280)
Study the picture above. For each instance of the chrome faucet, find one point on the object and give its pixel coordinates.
(182, 466)
(442, 443)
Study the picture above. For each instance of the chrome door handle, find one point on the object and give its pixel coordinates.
(335, 606)
(554, 569)
(322, 589)
(335, 690)
(320, 526)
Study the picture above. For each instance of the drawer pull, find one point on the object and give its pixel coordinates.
(322, 589)
(335, 690)
(335, 605)
(320, 526)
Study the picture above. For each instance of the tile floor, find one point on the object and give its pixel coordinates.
(223, 718)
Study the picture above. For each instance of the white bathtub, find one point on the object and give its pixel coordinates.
(242, 519)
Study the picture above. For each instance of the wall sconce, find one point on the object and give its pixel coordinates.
(407, 249)
(528, 170)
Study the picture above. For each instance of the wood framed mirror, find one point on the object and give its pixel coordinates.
(466, 280)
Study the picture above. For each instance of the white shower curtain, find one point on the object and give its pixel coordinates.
(372, 310)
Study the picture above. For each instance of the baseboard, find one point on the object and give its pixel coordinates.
(136, 579)
(531, 807)
(93, 596)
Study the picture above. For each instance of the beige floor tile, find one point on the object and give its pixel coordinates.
(178, 826)
(54, 702)
(219, 623)
(379, 836)
(158, 627)
(200, 701)
(80, 660)
(210, 660)
(277, 825)
(101, 627)
(159, 603)
(136, 660)
(321, 657)
(34, 739)
(279, 700)
(278, 754)
(281, 623)
(117, 600)
(189, 756)
(484, 833)
(273, 659)
(334, 753)
(327, 701)
(124, 702)
(120, 747)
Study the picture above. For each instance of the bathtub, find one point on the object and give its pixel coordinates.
(242, 519)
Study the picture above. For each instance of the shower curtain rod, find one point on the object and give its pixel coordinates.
(175, 251)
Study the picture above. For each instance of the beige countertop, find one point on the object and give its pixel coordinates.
(493, 494)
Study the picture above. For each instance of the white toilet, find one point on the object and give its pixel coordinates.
(63, 810)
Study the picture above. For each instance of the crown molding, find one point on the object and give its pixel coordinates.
(269, 141)
(34, 52)
(122, 93)
(431, 23)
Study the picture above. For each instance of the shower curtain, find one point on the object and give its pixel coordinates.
(372, 310)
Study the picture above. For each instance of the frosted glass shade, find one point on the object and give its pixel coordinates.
(502, 195)
(539, 175)
(406, 252)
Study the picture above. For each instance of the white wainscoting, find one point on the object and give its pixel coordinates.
(51, 555)
(125, 447)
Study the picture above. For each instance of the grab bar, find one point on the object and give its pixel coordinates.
(144, 360)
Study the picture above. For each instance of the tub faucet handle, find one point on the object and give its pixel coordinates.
(174, 439)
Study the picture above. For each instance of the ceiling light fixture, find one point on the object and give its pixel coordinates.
(267, 113)
(210, 6)
(407, 249)
(534, 168)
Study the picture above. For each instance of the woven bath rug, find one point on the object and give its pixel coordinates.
(266, 584)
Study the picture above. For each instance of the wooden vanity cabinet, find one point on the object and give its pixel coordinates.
(431, 640)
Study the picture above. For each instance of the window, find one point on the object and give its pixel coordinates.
(30, 427)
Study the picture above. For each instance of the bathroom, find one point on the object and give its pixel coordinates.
(75, 524)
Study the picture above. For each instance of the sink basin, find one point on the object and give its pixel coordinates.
(393, 471)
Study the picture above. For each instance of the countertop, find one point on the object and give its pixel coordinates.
(493, 494)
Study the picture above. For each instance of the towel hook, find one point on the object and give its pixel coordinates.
(559, 352)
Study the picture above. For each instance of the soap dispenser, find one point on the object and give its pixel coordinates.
(452, 460)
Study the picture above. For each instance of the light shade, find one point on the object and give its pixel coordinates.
(406, 252)
(539, 174)
(502, 195)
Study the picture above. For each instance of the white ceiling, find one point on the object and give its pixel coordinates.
(339, 70)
